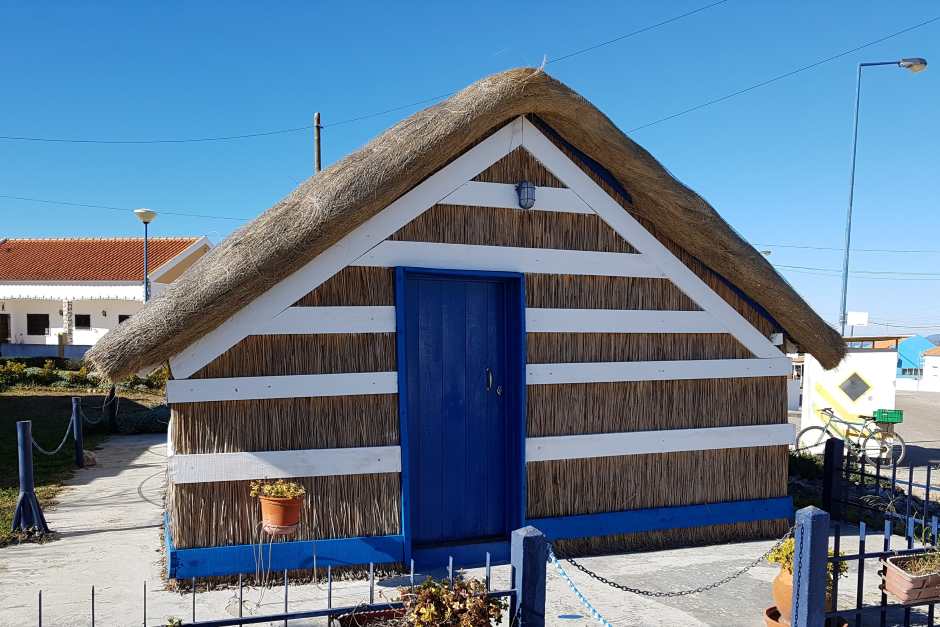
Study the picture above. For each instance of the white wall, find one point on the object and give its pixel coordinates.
(821, 387)
(928, 382)
(101, 322)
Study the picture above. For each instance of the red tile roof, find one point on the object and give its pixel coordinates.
(85, 259)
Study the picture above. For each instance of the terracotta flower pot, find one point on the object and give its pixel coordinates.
(280, 516)
(906, 587)
(377, 617)
(783, 596)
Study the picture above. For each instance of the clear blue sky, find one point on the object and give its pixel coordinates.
(774, 161)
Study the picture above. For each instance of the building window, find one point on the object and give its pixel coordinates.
(83, 321)
(37, 324)
(123, 317)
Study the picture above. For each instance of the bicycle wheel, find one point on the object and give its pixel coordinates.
(889, 447)
(811, 440)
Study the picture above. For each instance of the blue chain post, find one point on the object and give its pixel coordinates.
(810, 554)
(77, 431)
(529, 555)
(28, 514)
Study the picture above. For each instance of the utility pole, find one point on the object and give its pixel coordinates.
(316, 142)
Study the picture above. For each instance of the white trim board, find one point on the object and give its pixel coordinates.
(504, 196)
(287, 386)
(303, 320)
(612, 371)
(646, 442)
(390, 254)
(376, 229)
(179, 258)
(619, 321)
(206, 467)
(626, 225)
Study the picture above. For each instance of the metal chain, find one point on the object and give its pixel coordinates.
(680, 593)
(68, 430)
(87, 419)
(595, 614)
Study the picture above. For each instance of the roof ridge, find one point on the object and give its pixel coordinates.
(100, 239)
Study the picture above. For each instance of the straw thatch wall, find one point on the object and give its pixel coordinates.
(281, 424)
(651, 405)
(271, 355)
(354, 286)
(550, 348)
(455, 224)
(519, 165)
(609, 484)
(604, 292)
(214, 514)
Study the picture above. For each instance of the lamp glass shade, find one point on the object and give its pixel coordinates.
(914, 64)
(526, 191)
(145, 215)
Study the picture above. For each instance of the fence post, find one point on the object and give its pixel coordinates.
(28, 514)
(833, 456)
(810, 554)
(77, 431)
(110, 409)
(529, 554)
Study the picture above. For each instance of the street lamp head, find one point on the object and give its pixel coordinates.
(914, 64)
(145, 215)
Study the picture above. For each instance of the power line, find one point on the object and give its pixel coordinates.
(356, 118)
(121, 209)
(780, 77)
(856, 250)
(876, 272)
(636, 32)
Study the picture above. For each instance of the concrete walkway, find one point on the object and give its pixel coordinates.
(109, 525)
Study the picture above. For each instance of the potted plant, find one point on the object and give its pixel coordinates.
(913, 577)
(782, 590)
(463, 604)
(280, 505)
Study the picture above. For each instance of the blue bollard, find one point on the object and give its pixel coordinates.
(28, 514)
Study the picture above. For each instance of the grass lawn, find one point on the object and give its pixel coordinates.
(49, 410)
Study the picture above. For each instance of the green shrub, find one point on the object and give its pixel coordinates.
(81, 378)
(157, 379)
(47, 375)
(12, 373)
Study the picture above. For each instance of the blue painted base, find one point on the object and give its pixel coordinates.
(232, 560)
(12, 351)
(658, 518)
(242, 558)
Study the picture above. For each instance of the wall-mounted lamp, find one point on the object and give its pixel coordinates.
(104, 314)
(526, 191)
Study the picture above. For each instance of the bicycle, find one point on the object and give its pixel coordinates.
(876, 444)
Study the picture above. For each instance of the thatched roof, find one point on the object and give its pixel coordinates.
(330, 204)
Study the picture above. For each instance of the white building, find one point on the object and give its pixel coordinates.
(59, 296)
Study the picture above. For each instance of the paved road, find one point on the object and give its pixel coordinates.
(921, 426)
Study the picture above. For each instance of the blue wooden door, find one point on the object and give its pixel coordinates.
(460, 388)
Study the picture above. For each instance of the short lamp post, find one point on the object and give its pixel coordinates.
(146, 216)
(915, 65)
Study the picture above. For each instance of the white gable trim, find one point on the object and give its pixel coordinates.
(348, 249)
(626, 225)
(182, 256)
(444, 186)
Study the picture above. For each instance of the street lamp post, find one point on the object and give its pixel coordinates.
(146, 216)
(915, 65)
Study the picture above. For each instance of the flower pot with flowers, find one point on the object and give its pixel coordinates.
(436, 603)
(781, 612)
(280, 505)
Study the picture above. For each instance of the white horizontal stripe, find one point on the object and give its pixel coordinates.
(292, 386)
(620, 321)
(504, 196)
(645, 442)
(604, 372)
(506, 258)
(203, 468)
(330, 320)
